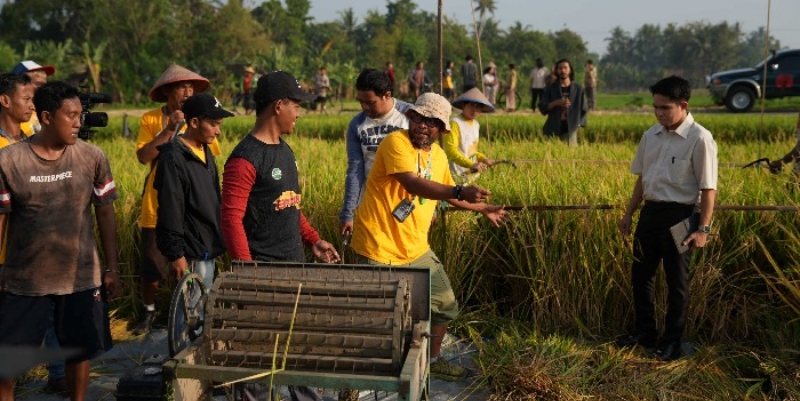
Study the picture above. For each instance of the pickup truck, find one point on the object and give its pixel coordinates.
(739, 89)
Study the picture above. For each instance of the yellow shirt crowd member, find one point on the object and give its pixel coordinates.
(393, 242)
(4, 141)
(29, 127)
(152, 123)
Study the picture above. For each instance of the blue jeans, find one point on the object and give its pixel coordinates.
(205, 268)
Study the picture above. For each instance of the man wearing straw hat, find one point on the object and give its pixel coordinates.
(461, 143)
(245, 95)
(156, 128)
(393, 220)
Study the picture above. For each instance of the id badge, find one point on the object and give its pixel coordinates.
(403, 210)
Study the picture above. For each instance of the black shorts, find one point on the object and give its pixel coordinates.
(153, 266)
(322, 99)
(80, 320)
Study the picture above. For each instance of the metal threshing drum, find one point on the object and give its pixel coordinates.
(356, 326)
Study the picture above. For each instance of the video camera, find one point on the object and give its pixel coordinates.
(91, 119)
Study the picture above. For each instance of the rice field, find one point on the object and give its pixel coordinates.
(544, 296)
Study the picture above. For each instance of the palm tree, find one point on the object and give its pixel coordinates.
(482, 8)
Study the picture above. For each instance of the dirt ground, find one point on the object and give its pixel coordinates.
(111, 366)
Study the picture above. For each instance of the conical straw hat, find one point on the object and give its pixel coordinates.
(473, 95)
(176, 73)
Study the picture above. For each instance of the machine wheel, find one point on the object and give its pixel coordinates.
(186, 312)
(740, 99)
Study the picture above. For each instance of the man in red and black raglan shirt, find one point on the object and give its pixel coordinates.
(261, 217)
(48, 188)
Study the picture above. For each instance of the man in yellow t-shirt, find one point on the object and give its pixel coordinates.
(38, 74)
(391, 224)
(157, 127)
(16, 107)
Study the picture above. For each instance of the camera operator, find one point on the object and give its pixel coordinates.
(157, 127)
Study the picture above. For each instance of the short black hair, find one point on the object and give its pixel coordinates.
(512, 66)
(673, 87)
(371, 79)
(50, 96)
(571, 70)
(10, 80)
(468, 58)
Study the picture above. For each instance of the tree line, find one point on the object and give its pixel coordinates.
(121, 47)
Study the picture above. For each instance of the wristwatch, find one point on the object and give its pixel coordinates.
(704, 228)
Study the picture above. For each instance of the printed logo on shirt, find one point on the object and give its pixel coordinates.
(97, 297)
(51, 178)
(286, 200)
(277, 174)
(374, 135)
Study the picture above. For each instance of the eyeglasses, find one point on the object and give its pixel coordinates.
(430, 122)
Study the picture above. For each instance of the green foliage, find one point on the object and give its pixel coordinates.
(144, 36)
(8, 57)
(693, 50)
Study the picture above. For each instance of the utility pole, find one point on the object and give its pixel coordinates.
(441, 60)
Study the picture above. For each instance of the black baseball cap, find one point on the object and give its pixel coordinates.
(280, 85)
(204, 105)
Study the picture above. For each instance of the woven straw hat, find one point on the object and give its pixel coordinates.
(176, 73)
(250, 70)
(473, 95)
(430, 104)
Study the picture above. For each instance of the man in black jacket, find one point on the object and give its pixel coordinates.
(188, 231)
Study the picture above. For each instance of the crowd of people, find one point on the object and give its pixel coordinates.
(402, 159)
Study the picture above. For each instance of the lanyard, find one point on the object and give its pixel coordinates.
(11, 140)
(426, 174)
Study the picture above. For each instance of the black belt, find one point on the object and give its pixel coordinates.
(661, 205)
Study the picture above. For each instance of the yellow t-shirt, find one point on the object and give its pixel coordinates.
(31, 126)
(376, 233)
(3, 143)
(452, 143)
(152, 123)
(199, 152)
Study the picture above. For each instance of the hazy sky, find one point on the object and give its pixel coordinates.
(593, 20)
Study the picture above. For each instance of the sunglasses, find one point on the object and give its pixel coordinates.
(430, 122)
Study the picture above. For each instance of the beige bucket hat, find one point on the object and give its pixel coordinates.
(176, 73)
(433, 105)
(474, 95)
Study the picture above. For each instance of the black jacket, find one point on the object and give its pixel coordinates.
(576, 114)
(188, 204)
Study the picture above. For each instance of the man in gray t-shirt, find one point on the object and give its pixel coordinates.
(48, 188)
(469, 75)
